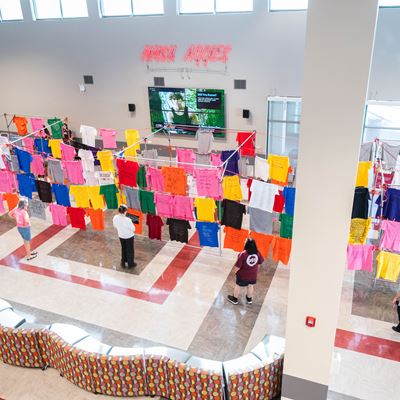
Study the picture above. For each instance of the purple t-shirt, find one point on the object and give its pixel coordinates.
(248, 265)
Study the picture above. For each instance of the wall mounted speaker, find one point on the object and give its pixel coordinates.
(246, 114)
(132, 107)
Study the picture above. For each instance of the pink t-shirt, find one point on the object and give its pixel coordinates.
(183, 208)
(185, 156)
(21, 217)
(164, 204)
(2, 209)
(360, 257)
(74, 171)
(36, 125)
(391, 235)
(28, 144)
(37, 165)
(155, 179)
(58, 214)
(216, 159)
(208, 182)
(67, 152)
(109, 138)
(7, 181)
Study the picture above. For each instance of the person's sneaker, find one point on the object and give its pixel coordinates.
(233, 299)
(132, 266)
(123, 264)
(396, 328)
(249, 300)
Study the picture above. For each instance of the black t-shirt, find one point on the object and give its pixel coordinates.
(44, 191)
(360, 203)
(178, 229)
(232, 214)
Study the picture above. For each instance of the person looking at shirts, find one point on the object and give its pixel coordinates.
(21, 216)
(246, 269)
(126, 232)
(396, 303)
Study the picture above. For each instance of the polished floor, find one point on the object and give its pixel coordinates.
(177, 297)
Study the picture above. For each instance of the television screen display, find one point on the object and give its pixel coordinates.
(187, 109)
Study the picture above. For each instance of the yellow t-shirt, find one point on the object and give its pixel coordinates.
(106, 160)
(231, 188)
(278, 167)
(132, 136)
(362, 173)
(121, 198)
(54, 144)
(388, 266)
(359, 230)
(205, 209)
(95, 197)
(81, 195)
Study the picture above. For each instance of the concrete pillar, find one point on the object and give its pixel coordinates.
(339, 44)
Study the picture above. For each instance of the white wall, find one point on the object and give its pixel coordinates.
(42, 63)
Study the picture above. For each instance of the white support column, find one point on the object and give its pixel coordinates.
(339, 44)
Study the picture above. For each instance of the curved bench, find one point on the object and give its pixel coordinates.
(133, 372)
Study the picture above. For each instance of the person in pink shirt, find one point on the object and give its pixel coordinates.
(21, 216)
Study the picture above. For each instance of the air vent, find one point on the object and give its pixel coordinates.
(88, 79)
(159, 81)
(239, 84)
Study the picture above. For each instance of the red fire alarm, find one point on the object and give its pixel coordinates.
(310, 321)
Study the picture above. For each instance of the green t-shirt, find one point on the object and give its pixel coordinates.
(147, 202)
(141, 177)
(56, 129)
(110, 195)
(286, 226)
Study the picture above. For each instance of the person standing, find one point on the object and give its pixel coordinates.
(126, 232)
(396, 303)
(246, 269)
(21, 216)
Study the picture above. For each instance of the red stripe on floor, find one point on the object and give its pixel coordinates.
(371, 345)
(158, 293)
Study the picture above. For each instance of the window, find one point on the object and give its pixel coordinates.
(283, 126)
(51, 9)
(125, 8)
(389, 3)
(287, 5)
(382, 120)
(213, 6)
(10, 10)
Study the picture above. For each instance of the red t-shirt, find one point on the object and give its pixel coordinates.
(127, 171)
(155, 223)
(249, 182)
(77, 217)
(248, 266)
(279, 202)
(248, 147)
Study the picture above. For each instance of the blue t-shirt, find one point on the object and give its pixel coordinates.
(26, 184)
(289, 194)
(232, 166)
(62, 194)
(391, 205)
(24, 160)
(42, 146)
(208, 233)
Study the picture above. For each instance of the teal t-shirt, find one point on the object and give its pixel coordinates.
(56, 127)
(286, 226)
(147, 202)
(110, 195)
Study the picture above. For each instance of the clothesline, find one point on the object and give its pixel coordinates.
(32, 116)
(214, 128)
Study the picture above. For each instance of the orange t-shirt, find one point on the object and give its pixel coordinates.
(21, 124)
(281, 250)
(263, 242)
(96, 218)
(235, 238)
(139, 225)
(11, 199)
(175, 180)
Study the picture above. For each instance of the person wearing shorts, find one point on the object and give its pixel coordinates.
(246, 269)
(21, 216)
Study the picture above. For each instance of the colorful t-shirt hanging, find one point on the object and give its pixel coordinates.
(67, 152)
(164, 204)
(132, 197)
(208, 182)
(109, 138)
(182, 208)
(96, 219)
(147, 204)
(106, 160)
(26, 184)
(37, 165)
(360, 203)
(88, 135)
(141, 177)
(231, 188)
(205, 209)
(248, 148)
(391, 205)
(7, 182)
(359, 228)
(232, 214)
(28, 144)
(178, 230)
(24, 160)
(37, 126)
(260, 221)
(127, 171)
(22, 125)
(360, 257)
(279, 202)
(175, 180)
(289, 193)
(185, 156)
(264, 242)
(56, 127)
(55, 145)
(362, 173)
(232, 166)
(286, 230)
(11, 199)
(96, 199)
(74, 172)
(81, 195)
(55, 170)
(58, 214)
(281, 249)
(216, 159)
(278, 168)
(391, 235)
(42, 146)
(235, 238)
(132, 136)
(263, 195)
(155, 223)
(388, 266)
(77, 217)
(110, 196)
(208, 233)
(155, 179)
(61, 194)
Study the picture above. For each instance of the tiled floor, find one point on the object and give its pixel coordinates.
(177, 297)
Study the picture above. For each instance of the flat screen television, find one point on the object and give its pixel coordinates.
(187, 109)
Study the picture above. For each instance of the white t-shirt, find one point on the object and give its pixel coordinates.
(88, 135)
(124, 226)
(87, 159)
(263, 195)
(261, 169)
